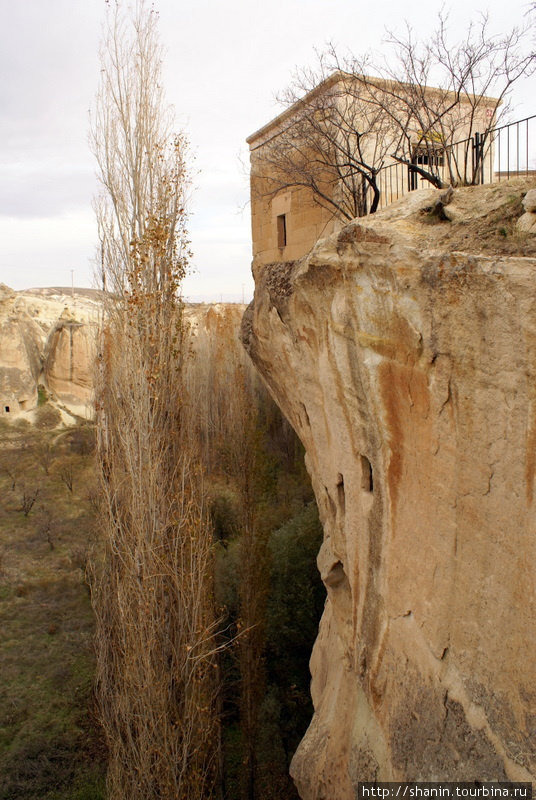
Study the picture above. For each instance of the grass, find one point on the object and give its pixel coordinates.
(49, 744)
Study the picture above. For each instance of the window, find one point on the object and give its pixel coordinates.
(429, 156)
(281, 231)
(7, 409)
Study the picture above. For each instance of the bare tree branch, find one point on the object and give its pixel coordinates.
(354, 115)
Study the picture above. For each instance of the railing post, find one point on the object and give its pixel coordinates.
(478, 158)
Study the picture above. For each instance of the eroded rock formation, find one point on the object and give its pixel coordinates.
(408, 369)
(47, 338)
(20, 361)
(68, 363)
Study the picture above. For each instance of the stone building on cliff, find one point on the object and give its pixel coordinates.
(353, 143)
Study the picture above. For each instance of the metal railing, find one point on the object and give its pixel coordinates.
(515, 146)
(498, 154)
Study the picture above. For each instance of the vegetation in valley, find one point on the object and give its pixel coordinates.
(268, 588)
(50, 747)
(184, 518)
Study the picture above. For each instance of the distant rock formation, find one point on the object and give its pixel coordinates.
(68, 363)
(20, 355)
(47, 338)
(403, 351)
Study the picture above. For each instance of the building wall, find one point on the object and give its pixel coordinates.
(306, 221)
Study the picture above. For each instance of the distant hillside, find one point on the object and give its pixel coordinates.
(52, 291)
(47, 347)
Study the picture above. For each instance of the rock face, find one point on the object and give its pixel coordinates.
(68, 363)
(409, 373)
(20, 345)
(47, 338)
(527, 222)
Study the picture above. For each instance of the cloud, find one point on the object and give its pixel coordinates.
(223, 64)
(33, 188)
(42, 251)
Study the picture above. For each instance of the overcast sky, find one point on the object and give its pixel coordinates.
(224, 63)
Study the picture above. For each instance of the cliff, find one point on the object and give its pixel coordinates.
(48, 340)
(403, 352)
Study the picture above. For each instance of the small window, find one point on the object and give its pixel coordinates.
(429, 154)
(7, 409)
(281, 230)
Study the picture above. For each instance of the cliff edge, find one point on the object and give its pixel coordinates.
(403, 352)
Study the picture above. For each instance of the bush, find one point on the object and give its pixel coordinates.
(22, 425)
(295, 605)
(223, 514)
(47, 417)
(82, 440)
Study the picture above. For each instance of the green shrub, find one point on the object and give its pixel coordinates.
(42, 395)
(223, 514)
(295, 605)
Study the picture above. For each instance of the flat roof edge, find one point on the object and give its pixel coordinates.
(333, 78)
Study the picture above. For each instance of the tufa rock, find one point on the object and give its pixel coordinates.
(409, 373)
(529, 201)
(48, 338)
(527, 222)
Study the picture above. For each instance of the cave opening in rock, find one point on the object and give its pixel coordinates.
(336, 576)
(367, 481)
(340, 493)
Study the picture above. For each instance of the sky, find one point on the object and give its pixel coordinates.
(224, 64)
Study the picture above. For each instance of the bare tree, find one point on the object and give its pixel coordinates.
(354, 115)
(28, 496)
(229, 397)
(47, 526)
(440, 92)
(66, 473)
(13, 471)
(330, 139)
(46, 455)
(244, 462)
(152, 579)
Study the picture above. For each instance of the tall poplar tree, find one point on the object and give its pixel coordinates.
(152, 579)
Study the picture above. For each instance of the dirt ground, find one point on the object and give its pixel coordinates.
(483, 218)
